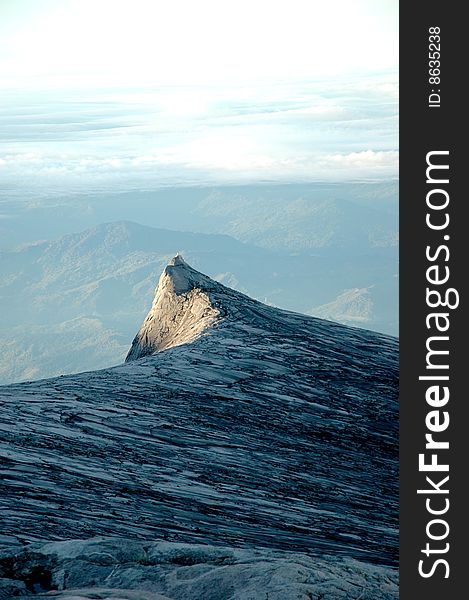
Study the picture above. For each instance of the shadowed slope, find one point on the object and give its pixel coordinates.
(270, 429)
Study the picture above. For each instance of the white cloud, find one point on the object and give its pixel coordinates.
(303, 131)
(363, 160)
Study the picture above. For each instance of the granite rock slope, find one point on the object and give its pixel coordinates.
(240, 426)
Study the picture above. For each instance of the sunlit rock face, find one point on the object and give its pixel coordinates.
(240, 426)
(180, 313)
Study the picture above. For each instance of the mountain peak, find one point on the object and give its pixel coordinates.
(177, 261)
(181, 311)
(181, 278)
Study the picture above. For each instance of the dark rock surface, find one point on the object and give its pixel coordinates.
(269, 430)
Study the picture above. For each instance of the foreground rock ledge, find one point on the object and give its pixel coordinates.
(102, 568)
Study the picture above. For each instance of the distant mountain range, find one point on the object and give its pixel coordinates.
(303, 223)
(73, 304)
(351, 217)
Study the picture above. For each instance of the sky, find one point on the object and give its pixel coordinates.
(149, 92)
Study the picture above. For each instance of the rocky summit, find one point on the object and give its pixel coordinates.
(241, 452)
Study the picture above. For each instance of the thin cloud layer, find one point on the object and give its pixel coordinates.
(171, 135)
